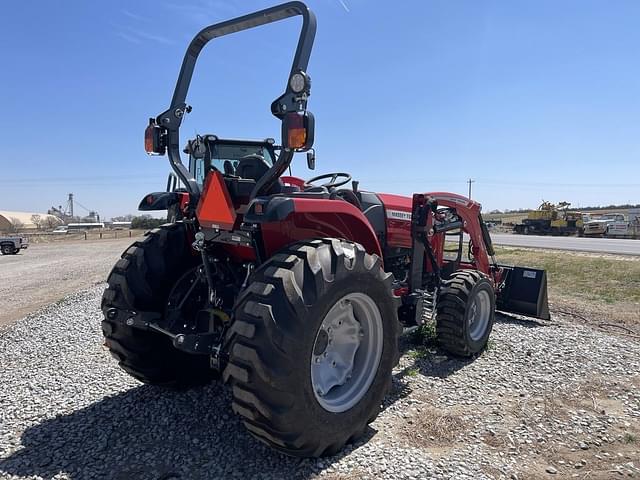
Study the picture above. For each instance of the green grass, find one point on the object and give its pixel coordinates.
(418, 353)
(412, 372)
(425, 334)
(605, 279)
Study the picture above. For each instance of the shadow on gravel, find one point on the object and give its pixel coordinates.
(515, 320)
(149, 434)
(429, 360)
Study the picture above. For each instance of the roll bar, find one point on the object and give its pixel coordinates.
(171, 119)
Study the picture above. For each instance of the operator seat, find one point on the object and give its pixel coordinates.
(253, 167)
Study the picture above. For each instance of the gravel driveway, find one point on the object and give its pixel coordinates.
(46, 272)
(545, 400)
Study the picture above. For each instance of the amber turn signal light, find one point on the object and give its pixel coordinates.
(297, 130)
(153, 139)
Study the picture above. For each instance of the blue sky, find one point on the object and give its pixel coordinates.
(533, 99)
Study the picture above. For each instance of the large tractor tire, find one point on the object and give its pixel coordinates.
(465, 312)
(312, 347)
(142, 280)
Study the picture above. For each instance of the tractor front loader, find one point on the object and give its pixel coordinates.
(294, 291)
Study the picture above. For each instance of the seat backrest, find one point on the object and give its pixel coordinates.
(373, 209)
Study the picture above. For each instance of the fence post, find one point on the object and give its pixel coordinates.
(85, 235)
(129, 233)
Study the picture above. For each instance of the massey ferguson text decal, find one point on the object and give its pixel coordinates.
(399, 215)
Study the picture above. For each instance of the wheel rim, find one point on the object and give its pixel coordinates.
(478, 316)
(346, 352)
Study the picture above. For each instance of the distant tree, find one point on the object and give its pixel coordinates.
(37, 221)
(123, 218)
(16, 225)
(146, 222)
(51, 222)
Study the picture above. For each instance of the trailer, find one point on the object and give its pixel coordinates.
(551, 219)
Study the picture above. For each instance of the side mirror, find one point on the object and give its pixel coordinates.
(154, 139)
(311, 159)
(297, 131)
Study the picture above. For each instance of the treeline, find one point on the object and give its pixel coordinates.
(146, 222)
(625, 206)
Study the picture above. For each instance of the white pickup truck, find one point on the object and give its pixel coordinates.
(12, 245)
(600, 225)
(628, 229)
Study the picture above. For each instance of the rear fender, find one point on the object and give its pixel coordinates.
(286, 220)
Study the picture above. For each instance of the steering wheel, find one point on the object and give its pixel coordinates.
(334, 180)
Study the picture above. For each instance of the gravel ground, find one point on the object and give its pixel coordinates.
(550, 400)
(45, 273)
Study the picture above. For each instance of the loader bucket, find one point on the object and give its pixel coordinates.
(524, 292)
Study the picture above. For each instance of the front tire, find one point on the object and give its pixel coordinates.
(8, 249)
(280, 347)
(142, 280)
(465, 313)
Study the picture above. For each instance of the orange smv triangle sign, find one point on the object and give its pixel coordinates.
(215, 208)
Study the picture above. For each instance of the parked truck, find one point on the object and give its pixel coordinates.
(629, 228)
(599, 227)
(12, 245)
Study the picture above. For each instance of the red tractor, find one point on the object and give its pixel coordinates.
(295, 291)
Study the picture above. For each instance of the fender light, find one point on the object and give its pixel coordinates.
(154, 139)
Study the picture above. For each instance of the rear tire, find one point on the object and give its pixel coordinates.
(8, 249)
(465, 313)
(142, 280)
(275, 342)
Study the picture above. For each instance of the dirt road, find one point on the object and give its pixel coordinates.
(45, 273)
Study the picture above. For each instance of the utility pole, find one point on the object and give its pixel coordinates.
(470, 181)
